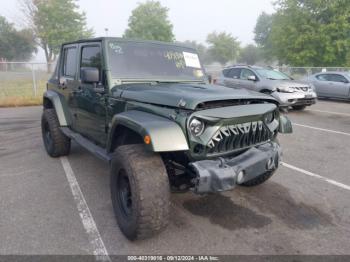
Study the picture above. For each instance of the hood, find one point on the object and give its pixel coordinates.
(186, 95)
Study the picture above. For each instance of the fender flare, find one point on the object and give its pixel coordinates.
(60, 107)
(166, 135)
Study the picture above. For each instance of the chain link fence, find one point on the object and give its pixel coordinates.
(23, 82)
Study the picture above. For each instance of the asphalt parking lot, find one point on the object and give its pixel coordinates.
(303, 209)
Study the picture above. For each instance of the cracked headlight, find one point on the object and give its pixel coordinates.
(285, 89)
(196, 127)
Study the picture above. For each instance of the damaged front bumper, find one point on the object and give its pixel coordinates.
(296, 98)
(225, 173)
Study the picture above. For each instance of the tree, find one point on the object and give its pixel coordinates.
(15, 44)
(55, 22)
(223, 47)
(311, 32)
(202, 51)
(149, 21)
(262, 33)
(262, 29)
(250, 55)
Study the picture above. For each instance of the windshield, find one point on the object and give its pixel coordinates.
(272, 74)
(151, 61)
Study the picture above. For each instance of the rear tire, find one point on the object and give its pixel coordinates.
(56, 143)
(140, 191)
(299, 108)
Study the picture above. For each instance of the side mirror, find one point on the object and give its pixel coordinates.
(285, 125)
(89, 75)
(252, 78)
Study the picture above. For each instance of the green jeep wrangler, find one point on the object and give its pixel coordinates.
(148, 110)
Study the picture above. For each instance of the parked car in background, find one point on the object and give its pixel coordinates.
(287, 91)
(331, 84)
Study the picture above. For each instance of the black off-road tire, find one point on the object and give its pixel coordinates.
(299, 108)
(258, 180)
(56, 143)
(140, 191)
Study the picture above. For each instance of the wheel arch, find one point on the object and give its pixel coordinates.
(52, 99)
(165, 135)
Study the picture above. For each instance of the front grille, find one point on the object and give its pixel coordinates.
(238, 136)
(231, 102)
(303, 88)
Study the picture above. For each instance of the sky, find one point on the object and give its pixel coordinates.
(192, 19)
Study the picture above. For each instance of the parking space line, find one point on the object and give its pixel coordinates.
(330, 181)
(328, 112)
(99, 249)
(323, 129)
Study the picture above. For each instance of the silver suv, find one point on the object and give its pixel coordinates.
(287, 91)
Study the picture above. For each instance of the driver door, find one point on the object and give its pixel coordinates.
(244, 79)
(90, 101)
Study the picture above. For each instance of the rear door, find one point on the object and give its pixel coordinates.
(232, 77)
(321, 83)
(67, 80)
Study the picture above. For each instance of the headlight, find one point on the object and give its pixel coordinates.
(196, 127)
(269, 117)
(285, 89)
(312, 87)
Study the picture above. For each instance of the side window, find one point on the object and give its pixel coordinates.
(234, 73)
(56, 70)
(69, 62)
(338, 78)
(91, 57)
(322, 77)
(246, 73)
(225, 72)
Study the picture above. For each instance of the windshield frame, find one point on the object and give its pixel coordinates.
(287, 77)
(121, 79)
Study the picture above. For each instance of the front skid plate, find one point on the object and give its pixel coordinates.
(223, 173)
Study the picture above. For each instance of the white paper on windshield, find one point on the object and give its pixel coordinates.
(191, 60)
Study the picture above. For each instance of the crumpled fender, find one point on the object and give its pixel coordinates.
(166, 135)
(285, 125)
(60, 106)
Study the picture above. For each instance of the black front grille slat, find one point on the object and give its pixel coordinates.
(257, 134)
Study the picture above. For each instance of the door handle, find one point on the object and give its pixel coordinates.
(62, 85)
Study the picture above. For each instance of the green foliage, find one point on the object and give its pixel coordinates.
(310, 33)
(149, 21)
(55, 22)
(223, 47)
(262, 32)
(250, 55)
(15, 45)
(262, 29)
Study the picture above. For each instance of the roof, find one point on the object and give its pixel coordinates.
(245, 66)
(100, 39)
(333, 72)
